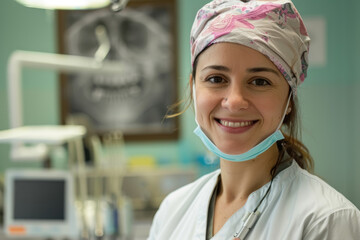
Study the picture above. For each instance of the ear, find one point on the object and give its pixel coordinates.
(191, 87)
(289, 108)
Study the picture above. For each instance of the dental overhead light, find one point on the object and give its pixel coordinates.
(116, 5)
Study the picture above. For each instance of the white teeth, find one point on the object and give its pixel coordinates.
(235, 124)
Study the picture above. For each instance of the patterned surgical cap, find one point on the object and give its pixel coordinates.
(273, 28)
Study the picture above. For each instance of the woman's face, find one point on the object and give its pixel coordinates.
(240, 96)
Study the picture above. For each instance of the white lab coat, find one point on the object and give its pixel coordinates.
(299, 206)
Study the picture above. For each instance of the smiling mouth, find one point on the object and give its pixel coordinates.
(235, 124)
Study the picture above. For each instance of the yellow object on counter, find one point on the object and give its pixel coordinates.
(142, 161)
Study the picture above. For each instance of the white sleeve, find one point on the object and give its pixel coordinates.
(342, 224)
(158, 222)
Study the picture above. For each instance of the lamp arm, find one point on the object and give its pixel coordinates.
(51, 61)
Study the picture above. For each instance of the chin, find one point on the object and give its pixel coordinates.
(234, 150)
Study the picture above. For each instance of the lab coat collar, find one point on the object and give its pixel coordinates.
(203, 205)
(254, 198)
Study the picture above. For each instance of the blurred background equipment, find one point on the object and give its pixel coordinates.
(40, 204)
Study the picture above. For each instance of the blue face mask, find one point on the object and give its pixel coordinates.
(250, 154)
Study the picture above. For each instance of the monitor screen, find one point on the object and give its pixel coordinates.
(39, 199)
(39, 203)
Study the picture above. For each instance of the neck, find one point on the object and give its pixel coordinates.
(240, 179)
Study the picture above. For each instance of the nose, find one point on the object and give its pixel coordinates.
(235, 99)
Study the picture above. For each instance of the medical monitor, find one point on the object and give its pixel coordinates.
(39, 203)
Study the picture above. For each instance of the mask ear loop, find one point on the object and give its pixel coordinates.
(285, 111)
(194, 99)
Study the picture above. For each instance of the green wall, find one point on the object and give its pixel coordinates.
(33, 30)
(329, 97)
(354, 61)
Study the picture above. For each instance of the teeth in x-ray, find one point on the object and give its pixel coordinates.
(115, 88)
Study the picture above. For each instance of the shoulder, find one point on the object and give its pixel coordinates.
(340, 223)
(320, 193)
(323, 210)
(188, 193)
(182, 204)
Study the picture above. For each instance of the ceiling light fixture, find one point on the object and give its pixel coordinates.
(65, 4)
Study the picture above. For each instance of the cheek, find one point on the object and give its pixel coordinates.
(271, 110)
(205, 103)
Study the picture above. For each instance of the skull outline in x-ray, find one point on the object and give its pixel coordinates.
(140, 96)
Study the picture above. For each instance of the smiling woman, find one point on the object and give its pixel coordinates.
(240, 97)
(248, 59)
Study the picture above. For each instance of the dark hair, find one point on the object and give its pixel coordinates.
(292, 144)
(291, 130)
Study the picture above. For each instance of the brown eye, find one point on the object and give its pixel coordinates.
(215, 79)
(260, 82)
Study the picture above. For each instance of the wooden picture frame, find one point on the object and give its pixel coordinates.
(143, 37)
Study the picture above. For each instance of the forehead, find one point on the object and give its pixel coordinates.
(234, 56)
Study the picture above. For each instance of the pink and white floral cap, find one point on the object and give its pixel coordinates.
(274, 28)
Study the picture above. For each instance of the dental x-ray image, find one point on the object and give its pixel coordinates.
(141, 39)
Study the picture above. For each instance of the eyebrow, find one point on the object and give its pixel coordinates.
(263, 69)
(250, 70)
(217, 67)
